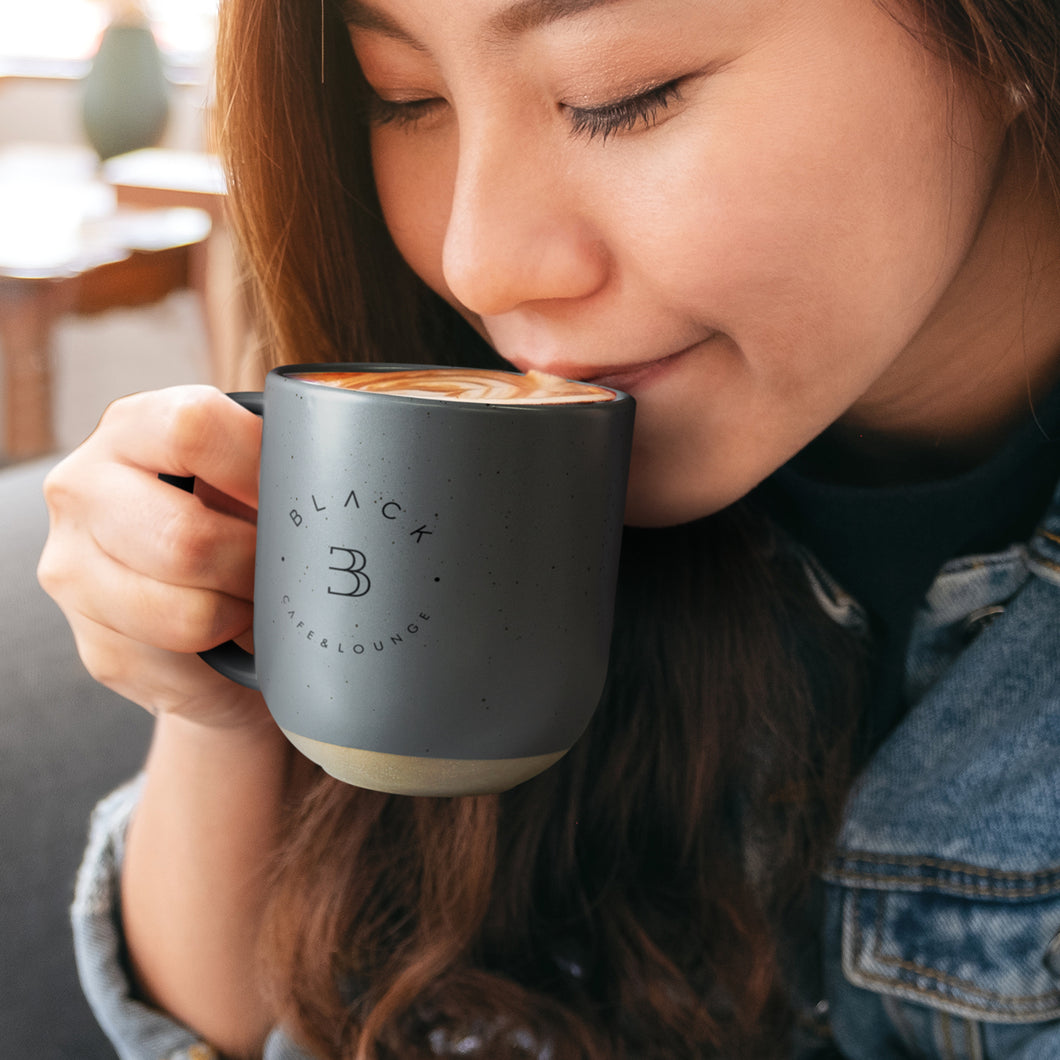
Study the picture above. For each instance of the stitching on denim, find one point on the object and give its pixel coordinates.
(942, 863)
(985, 561)
(898, 990)
(964, 868)
(1048, 535)
(898, 1013)
(1047, 571)
(877, 942)
(1029, 1002)
(972, 1045)
(947, 1038)
(1051, 564)
(970, 889)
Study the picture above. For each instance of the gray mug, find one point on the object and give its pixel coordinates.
(434, 579)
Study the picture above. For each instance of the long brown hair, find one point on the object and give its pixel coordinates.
(631, 901)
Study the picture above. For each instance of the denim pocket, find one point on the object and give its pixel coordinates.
(973, 943)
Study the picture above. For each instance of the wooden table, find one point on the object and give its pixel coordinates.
(66, 246)
(164, 177)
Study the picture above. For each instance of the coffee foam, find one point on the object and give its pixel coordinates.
(467, 384)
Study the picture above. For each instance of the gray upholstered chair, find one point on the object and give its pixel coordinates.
(64, 742)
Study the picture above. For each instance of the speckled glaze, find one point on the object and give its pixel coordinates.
(435, 579)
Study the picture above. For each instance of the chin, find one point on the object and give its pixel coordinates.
(653, 508)
(670, 489)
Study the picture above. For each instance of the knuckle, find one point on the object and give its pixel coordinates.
(120, 408)
(197, 621)
(104, 665)
(189, 545)
(52, 565)
(60, 486)
(102, 654)
(186, 622)
(123, 415)
(56, 568)
(48, 572)
(192, 414)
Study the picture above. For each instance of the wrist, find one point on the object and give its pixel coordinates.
(255, 745)
(194, 880)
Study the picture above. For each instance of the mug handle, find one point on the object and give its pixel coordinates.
(229, 658)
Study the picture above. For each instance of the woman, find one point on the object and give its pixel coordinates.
(818, 240)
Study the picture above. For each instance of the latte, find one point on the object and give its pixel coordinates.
(467, 384)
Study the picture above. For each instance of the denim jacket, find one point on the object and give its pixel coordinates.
(942, 925)
(941, 931)
(137, 1031)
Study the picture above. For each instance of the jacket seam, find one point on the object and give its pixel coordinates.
(984, 889)
(947, 864)
(947, 1036)
(1050, 563)
(1029, 1004)
(1044, 877)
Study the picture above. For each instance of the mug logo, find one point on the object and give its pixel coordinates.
(361, 583)
(347, 573)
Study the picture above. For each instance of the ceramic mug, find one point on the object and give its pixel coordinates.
(435, 575)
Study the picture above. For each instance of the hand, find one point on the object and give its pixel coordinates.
(148, 574)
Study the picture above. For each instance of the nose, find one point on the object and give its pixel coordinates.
(517, 233)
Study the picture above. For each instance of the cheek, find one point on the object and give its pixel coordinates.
(820, 250)
(821, 218)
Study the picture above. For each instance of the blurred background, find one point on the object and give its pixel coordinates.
(95, 330)
(116, 275)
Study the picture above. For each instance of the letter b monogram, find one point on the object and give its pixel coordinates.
(360, 583)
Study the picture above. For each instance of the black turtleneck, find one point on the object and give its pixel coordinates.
(885, 545)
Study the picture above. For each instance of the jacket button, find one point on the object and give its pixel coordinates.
(978, 620)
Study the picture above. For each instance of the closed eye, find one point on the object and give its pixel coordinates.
(400, 111)
(643, 110)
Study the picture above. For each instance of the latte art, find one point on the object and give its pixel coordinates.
(467, 384)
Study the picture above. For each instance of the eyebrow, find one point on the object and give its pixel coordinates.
(525, 15)
(512, 21)
(365, 16)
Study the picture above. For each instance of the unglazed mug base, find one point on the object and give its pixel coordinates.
(413, 775)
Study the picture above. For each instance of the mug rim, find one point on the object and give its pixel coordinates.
(286, 371)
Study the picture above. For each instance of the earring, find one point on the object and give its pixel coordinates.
(1020, 95)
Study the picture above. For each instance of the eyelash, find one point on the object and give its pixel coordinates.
(397, 111)
(624, 115)
(610, 119)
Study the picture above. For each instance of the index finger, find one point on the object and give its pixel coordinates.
(189, 431)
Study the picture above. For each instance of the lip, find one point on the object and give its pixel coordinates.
(629, 377)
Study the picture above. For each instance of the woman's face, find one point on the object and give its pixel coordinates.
(746, 213)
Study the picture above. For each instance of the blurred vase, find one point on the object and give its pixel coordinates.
(125, 105)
